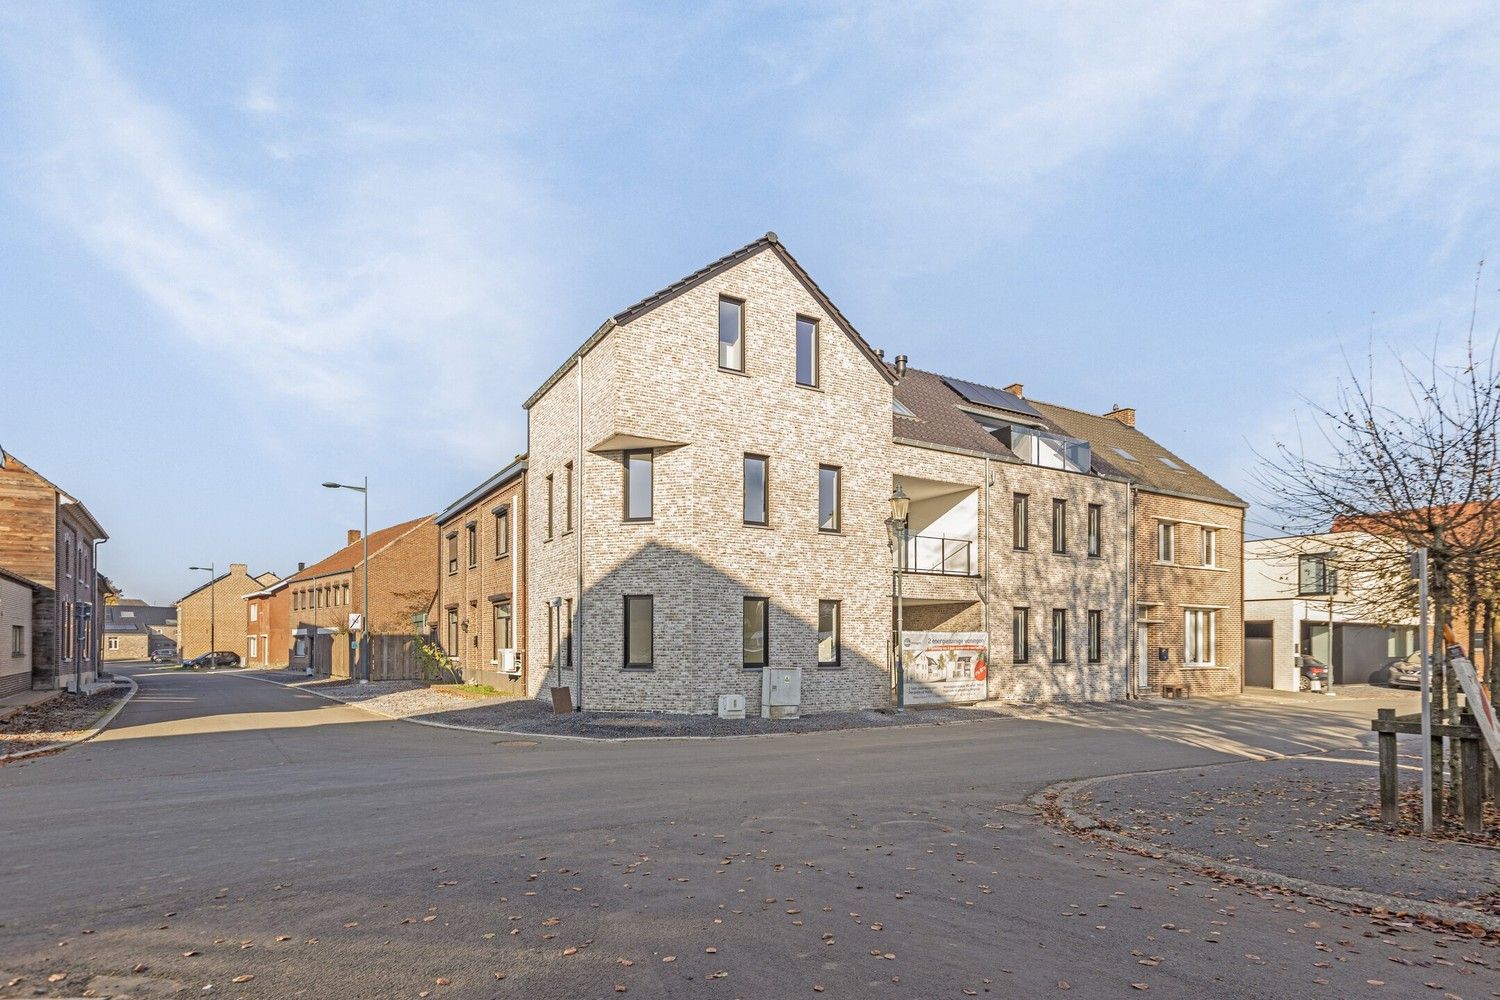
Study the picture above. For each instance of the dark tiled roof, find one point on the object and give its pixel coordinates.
(938, 419)
(1148, 471)
(142, 616)
(490, 485)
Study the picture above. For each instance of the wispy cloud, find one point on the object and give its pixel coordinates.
(388, 300)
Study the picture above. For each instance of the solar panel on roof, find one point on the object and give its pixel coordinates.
(983, 395)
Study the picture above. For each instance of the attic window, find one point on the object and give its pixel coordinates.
(1169, 463)
(900, 409)
(1127, 456)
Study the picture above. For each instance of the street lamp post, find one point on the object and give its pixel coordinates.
(364, 594)
(896, 529)
(213, 616)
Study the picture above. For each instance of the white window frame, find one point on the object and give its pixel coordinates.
(1166, 541)
(1200, 628)
(1211, 548)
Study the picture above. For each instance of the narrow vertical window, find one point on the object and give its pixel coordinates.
(830, 486)
(829, 647)
(502, 628)
(1020, 634)
(1200, 639)
(807, 351)
(639, 485)
(1096, 636)
(756, 506)
(1020, 516)
(753, 632)
(567, 497)
(1210, 547)
(452, 632)
(551, 507)
(471, 539)
(639, 615)
(567, 633)
(1059, 525)
(551, 634)
(502, 531)
(1059, 635)
(1096, 529)
(732, 335)
(1166, 542)
(18, 640)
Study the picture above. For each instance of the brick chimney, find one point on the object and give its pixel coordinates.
(353, 536)
(241, 568)
(1124, 414)
(1016, 389)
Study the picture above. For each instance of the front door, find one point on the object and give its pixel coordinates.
(1142, 658)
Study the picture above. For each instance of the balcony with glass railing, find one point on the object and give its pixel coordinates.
(942, 529)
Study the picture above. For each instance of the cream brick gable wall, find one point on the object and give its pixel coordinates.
(657, 378)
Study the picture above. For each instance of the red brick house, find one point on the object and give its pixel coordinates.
(48, 537)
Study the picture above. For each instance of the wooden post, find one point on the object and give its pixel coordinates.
(1472, 792)
(1389, 806)
(1437, 777)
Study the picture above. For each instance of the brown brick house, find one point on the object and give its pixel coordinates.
(48, 537)
(216, 611)
(480, 612)
(402, 583)
(1188, 566)
(268, 633)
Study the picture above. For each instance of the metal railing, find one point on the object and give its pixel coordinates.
(936, 555)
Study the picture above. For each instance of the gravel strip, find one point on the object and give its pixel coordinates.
(64, 718)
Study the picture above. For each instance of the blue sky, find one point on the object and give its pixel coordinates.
(272, 244)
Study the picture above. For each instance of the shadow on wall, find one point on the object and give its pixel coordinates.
(699, 640)
(1040, 679)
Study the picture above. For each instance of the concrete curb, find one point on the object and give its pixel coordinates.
(1080, 822)
(98, 728)
(523, 734)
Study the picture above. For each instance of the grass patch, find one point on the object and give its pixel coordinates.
(474, 691)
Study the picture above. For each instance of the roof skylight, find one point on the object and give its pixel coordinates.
(1169, 463)
(1127, 456)
(901, 409)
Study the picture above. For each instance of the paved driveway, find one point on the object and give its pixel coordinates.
(227, 828)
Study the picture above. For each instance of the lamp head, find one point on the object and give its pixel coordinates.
(900, 505)
(331, 486)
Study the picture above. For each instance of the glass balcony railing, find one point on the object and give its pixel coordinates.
(937, 555)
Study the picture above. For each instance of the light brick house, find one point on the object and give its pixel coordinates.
(216, 611)
(479, 613)
(322, 596)
(49, 538)
(17, 602)
(1188, 582)
(133, 630)
(709, 479)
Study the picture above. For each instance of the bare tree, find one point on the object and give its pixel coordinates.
(1406, 456)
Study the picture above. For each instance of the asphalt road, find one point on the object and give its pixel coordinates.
(226, 828)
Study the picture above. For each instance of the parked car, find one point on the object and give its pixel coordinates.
(1406, 673)
(221, 658)
(164, 656)
(1309, 669)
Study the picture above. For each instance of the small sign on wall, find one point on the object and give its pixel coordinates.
(356, 621)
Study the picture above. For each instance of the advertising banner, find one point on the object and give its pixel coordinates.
(945, 667)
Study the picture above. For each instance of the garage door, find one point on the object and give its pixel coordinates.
(1260, 655)
(1358, 652)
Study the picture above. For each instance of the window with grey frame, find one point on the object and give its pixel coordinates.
(567, 633)
(551, 509)
(502, 531)
(830, 646)
(807, 352)
(1059, 635)
(1316, 576)
(639, 641)
(731, 334)
(830, 497)
(757, 489)
(502, 632)
(640, 486)
(471, 539)
(1020, 635)
(754, 634)
(1020, 522)
(1096, 636)
(1096, 529)
(567, 497)
(1059, 526)
(452, 649)
(18, 640)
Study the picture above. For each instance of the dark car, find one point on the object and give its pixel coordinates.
(1310, 669)
(1406, 673)
(221, 658)
(164, 656)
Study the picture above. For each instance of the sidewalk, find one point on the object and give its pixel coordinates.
(1299, 820)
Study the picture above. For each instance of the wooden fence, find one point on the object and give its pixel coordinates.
(392, 657)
